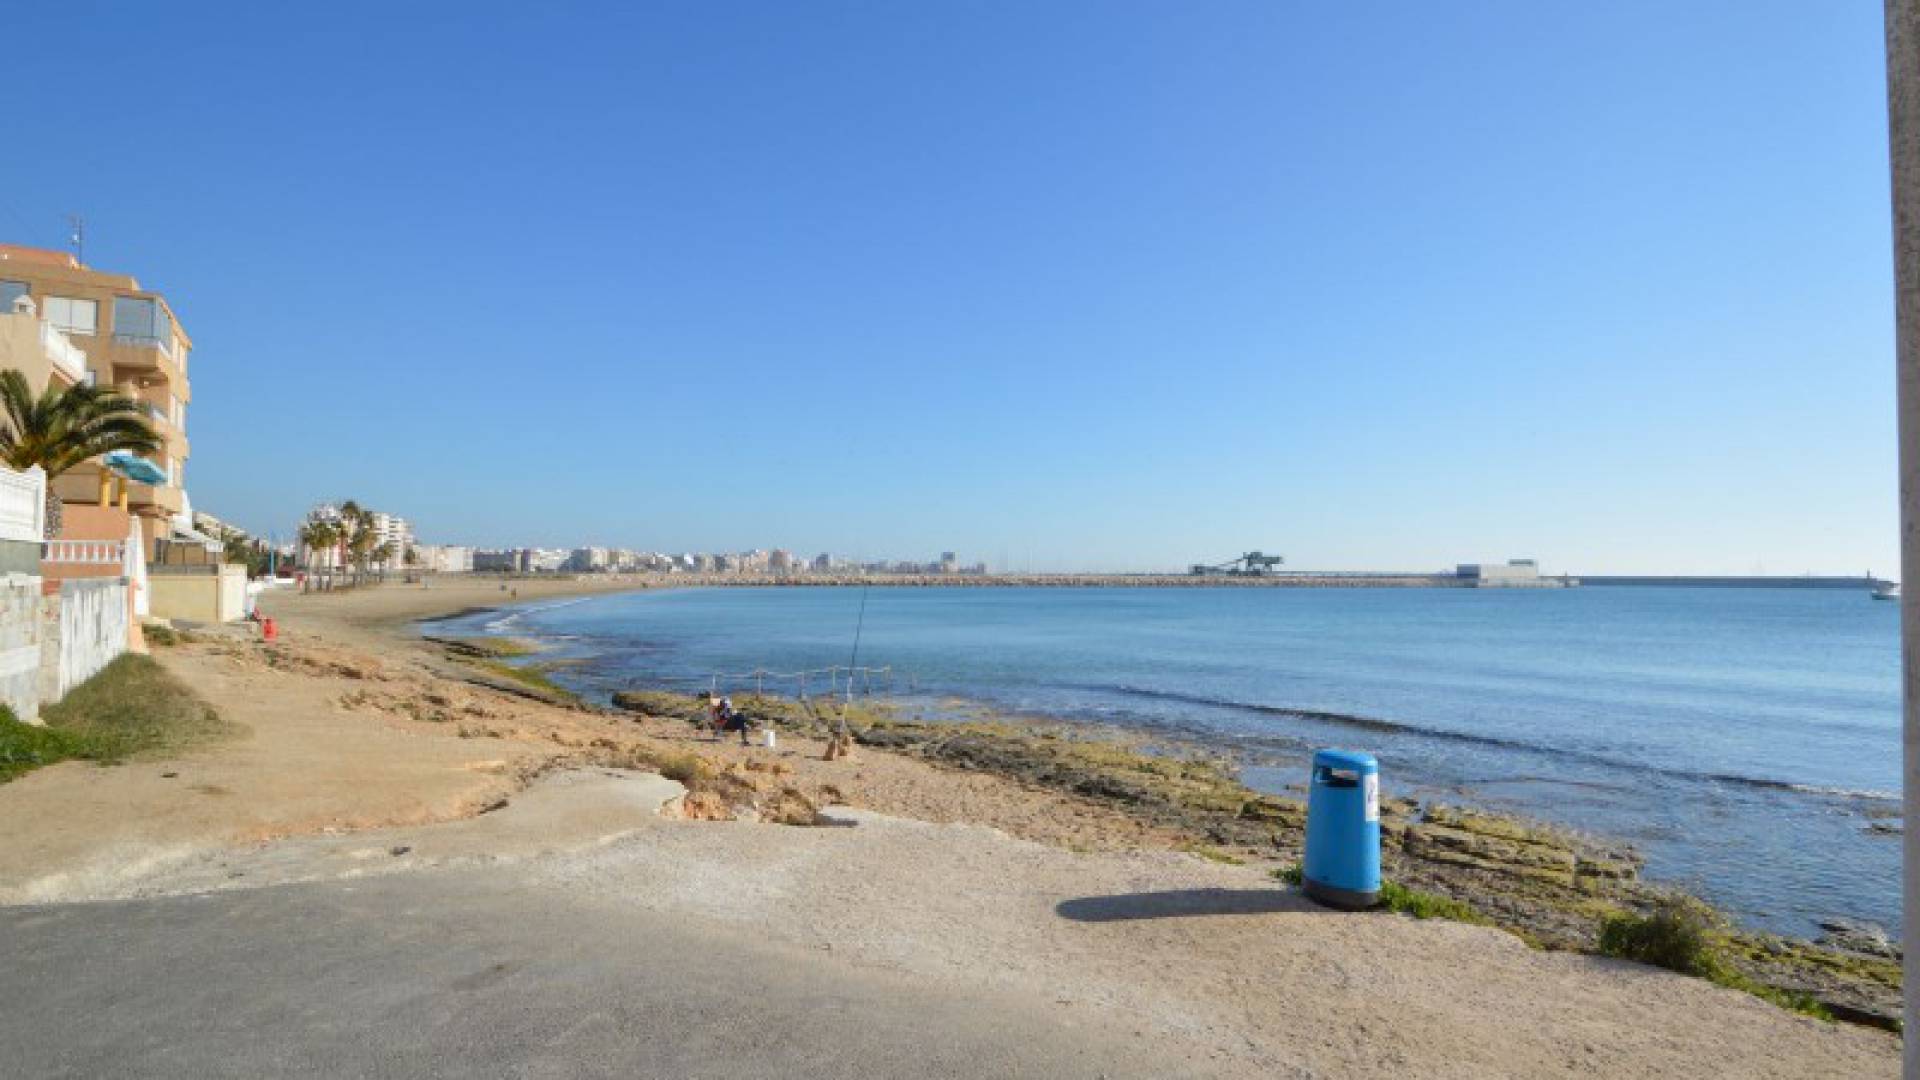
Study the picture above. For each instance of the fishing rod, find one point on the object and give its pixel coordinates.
(853, 662)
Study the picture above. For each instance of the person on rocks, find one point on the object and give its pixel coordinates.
(731, 719)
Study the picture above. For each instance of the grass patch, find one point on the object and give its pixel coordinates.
(132, 707)
(156, 634)
(1402, 900)
(1398, 898)
(1684, 935)
(135, 706)
(25, 747)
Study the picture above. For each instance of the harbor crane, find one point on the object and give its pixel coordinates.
(1252, 564)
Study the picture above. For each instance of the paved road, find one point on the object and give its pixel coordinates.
(469, 974)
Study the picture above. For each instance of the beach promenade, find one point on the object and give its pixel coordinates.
(399, 869)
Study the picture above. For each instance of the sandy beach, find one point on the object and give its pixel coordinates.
(369, 761)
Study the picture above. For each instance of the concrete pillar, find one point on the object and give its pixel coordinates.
(125, 495)
(106, 482)
(1903, 126)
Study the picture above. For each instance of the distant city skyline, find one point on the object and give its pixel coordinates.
(1609, 287)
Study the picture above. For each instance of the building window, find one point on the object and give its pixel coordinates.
(9, 292)
(73, 316)
(142, 321)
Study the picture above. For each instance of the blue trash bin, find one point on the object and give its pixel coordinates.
(1342, 864)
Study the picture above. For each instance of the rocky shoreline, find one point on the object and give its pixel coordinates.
(1548, 886)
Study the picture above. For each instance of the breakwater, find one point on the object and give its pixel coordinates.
(1312, 580)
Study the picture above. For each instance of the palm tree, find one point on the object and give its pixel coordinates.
(61, 428)
(236, 549)
(356, 533)
(319, 536)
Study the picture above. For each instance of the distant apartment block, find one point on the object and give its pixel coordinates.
(444, 558)
(506, 561)
(393, 534)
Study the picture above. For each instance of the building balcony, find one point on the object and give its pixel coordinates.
(81, 485)
(150, 497)
(144, 357)
(170, 434)
(68, 360)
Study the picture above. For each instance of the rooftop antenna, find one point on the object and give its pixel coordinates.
(78, 238)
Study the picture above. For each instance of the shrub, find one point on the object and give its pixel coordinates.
(686, 769)
(1679, 934)
(1685, 935)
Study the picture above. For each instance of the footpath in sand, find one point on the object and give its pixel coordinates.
(1054, 936)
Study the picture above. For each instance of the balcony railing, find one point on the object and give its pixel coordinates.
(69, 359)
(145, 341)
(84, 552)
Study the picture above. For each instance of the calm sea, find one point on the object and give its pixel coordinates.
(1744, 740)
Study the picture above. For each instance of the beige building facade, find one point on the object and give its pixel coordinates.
(127, 338)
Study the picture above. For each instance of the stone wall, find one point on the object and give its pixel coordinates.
(52, 641)
(20, 557)
(21, 629)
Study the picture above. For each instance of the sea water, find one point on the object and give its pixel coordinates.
(1745, 741)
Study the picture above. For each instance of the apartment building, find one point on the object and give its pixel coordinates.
(395, 534)
(123, 336)
(30, 345)
(446, 558)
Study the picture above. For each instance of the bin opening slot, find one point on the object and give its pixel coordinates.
(1337, 777)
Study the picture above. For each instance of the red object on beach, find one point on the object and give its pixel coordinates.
(269, 631)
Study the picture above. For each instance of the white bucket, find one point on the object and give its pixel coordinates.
(770, 739)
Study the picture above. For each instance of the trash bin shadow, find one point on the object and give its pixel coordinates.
(1184, 903)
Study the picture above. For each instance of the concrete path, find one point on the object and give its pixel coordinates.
(576, 932)
(469, 974)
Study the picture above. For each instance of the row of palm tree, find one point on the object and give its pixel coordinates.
(59, 428)
(353, 535)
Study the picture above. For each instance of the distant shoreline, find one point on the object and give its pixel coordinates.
(1282, 580)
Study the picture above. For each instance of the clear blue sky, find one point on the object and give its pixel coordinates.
(1103, 284)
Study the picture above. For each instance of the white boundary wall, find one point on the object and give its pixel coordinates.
(23, 505)
(89, 628)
